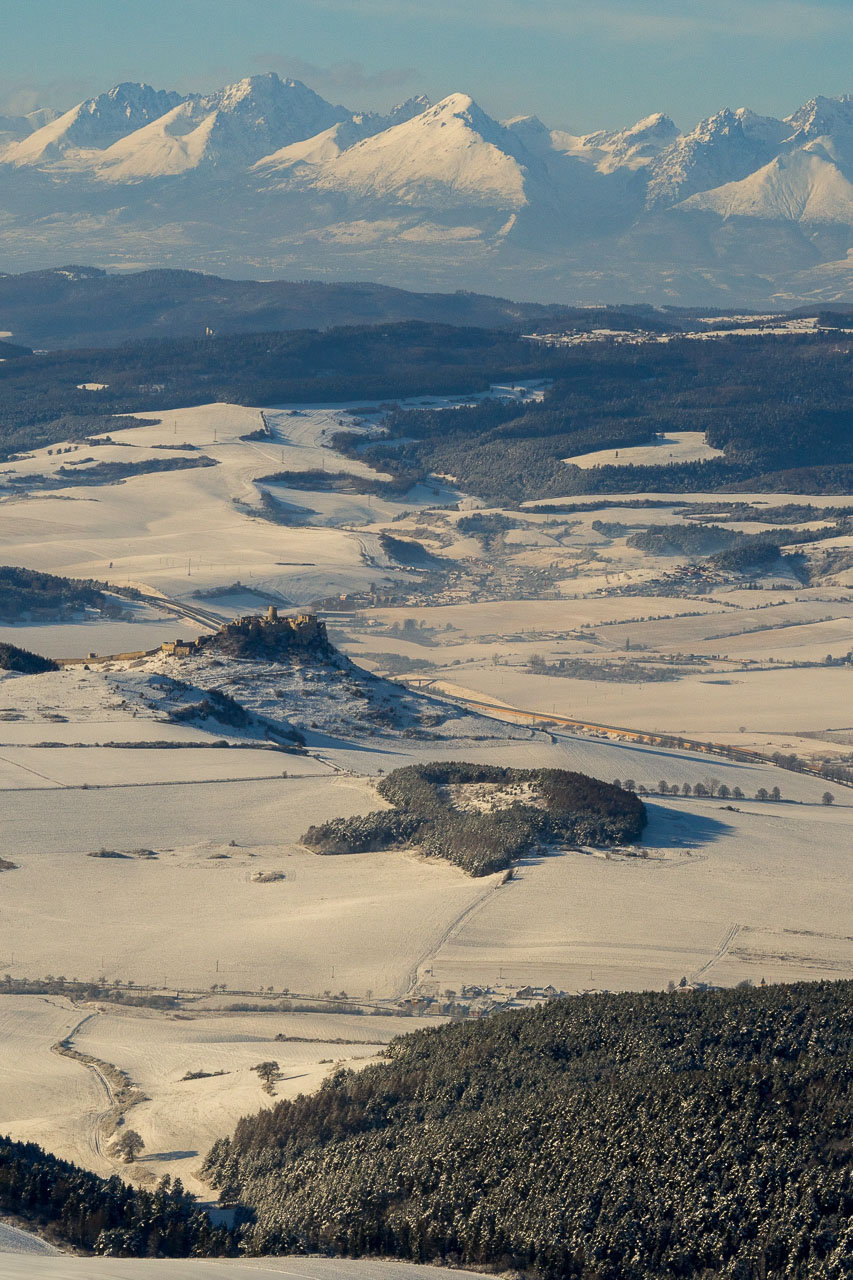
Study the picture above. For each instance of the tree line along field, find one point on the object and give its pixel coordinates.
(41, 400)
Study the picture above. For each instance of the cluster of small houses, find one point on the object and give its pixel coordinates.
(476, 1002)
(481, 1002)
(689, 578)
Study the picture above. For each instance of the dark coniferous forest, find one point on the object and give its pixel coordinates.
(617, 1137)
(74, 1207)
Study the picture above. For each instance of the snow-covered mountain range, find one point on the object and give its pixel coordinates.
(266, 177)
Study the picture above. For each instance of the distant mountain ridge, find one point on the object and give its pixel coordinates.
(79, 306)
(265, 177)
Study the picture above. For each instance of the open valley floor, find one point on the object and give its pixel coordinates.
(157, 894)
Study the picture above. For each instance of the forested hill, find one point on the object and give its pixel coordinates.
(85, 307)
(613, 1137)
(104, 1215)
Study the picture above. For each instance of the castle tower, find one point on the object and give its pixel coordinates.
(272, 614)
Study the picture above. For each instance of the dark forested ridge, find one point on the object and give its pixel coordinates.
(544, 804)
(27, 593)
(106, 1216)
(613, 1137)
(23, 662)
(86, 306)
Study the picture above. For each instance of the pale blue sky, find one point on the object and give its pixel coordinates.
(601, 63)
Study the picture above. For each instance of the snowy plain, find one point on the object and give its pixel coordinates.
(92, 760)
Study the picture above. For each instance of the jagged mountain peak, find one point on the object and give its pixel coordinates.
(235, 127)
(268, 89)
(724, 147)
(820, 117)
(266, 170)
(411, 107)
(632, 148)
(801, 186)
(95, 123)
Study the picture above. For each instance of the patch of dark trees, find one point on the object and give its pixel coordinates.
(28, 593)
(409, 552)
(320, 481)
(639, 1136)
(106, 1216)
(110, 472)
(215, 705)
(25, 663)
(488, 527)
(278, 512)
(221, 707)
(23, 432)
(573, 807)
(13, 351)
(619, 672)
(728, 549)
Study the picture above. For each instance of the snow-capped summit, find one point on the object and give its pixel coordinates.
(820, 117)
(452, 151)
(298, 158)
(234, 127)
(802, 186)
(724, 148)
(94, 124)
(266, 112)
(265, 170)
(631, 148)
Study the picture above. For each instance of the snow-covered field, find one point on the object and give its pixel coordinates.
(669, 446)
(64, 1104)
(67, 1268)
(760, 891)
(93, 760)
(15, 1241)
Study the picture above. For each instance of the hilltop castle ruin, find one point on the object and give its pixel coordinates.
(251, 635)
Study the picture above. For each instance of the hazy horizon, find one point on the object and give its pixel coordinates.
(579, 67)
